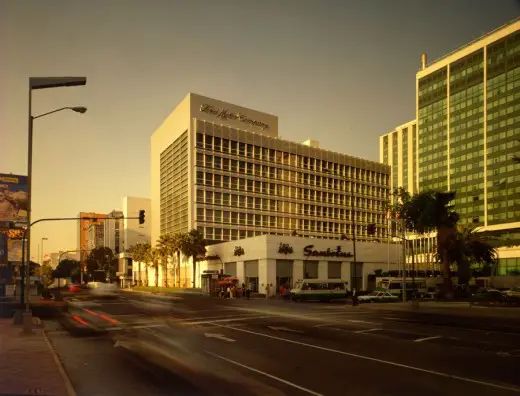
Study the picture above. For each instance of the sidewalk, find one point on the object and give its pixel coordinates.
(29, 365)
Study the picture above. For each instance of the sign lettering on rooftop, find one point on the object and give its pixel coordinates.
(225, 114)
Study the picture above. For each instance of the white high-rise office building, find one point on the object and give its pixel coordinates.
(224, 170)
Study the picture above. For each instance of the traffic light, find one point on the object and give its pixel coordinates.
(141, 216)
(371, 229)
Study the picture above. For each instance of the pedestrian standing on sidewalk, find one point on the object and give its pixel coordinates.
(267, 291)
(354, 298)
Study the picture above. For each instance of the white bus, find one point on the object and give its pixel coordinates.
(319, 290)
(413, 286)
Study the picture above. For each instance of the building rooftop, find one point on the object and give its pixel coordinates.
(473, 42)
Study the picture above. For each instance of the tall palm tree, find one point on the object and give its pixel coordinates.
(193, 245)
(152, 258)
(468, 247)
(147, 248)
(177, 239)
(433, 211)
(165, 250)
(138, 255)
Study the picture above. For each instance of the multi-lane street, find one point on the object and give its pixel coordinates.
(196, 345)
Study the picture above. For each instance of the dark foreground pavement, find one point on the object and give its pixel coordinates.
(196, 345)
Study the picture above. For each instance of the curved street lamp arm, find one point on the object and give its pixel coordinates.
(77, 109)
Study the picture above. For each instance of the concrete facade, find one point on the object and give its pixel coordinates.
(261, 263)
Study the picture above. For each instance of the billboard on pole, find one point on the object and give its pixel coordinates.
(13, 200)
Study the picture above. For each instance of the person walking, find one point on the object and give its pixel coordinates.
(354, 298)
(267, 289)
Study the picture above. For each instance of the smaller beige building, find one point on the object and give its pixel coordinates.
(259, 261)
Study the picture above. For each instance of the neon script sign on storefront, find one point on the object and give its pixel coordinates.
(308, 251)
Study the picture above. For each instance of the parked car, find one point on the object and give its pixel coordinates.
(378, 296)
(489, 297)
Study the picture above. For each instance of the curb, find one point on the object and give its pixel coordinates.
(64, 376)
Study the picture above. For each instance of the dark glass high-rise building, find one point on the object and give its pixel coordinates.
(468, 131)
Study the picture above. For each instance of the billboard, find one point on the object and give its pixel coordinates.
(13, 199)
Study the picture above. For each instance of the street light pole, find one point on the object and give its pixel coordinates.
(41, 83)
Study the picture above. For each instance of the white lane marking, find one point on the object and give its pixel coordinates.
(367, 331)
(221, 320)
(362, 321)
(219, 337)
(265, 374)
(427, 338)
(342, 313)
(149, 326)
(113, 328)
(277, 328)
(324, 324)
(215, 317)
(388, 362)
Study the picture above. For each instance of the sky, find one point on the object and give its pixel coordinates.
(340, 71)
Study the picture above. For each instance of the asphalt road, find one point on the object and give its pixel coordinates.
(196, 345)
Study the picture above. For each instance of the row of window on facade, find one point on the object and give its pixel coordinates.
(258, 203)
(249, 169)
(217, 233)
(244, 186)
(260, 220)
(234, 148)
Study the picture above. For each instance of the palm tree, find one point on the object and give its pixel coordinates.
(176, 249)
(138, 252)
(468, 247)
(147, 248)
(432, 211)
(165, 250)
(193, 245)
(152, 258)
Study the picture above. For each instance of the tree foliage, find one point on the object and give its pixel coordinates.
(427, 212)
(101, 259)
(45, 272)
(468, 247)
(66, 268)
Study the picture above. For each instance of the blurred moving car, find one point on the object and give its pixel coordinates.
(100, 289)
(378, 296)
(77, 287)
(513, 292)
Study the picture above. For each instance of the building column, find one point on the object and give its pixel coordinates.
(241, 275)
(345, 273)
(297, 271)
(267, 275)
(323, 270)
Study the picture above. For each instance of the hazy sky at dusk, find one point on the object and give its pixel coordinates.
(342, 72)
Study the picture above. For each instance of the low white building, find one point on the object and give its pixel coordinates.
(260, 260)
